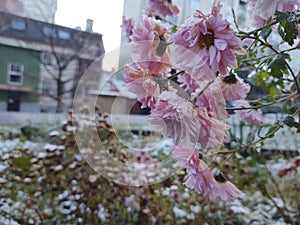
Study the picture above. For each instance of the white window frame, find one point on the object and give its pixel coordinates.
(10, 73)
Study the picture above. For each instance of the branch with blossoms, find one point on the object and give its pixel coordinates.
(188, 78)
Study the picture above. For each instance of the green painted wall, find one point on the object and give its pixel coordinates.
(30, 59)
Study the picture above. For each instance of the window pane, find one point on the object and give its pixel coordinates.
(18, 24)
(64, 35)
(15, 79)
(15, 73)
(49, 32)
(16, 68)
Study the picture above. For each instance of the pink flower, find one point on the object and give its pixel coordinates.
(212, 131)
(189, 83)
(182, 155)
(250, 116)
(176, 117)
(127, 25)
(141, 82)
(212, 99)
(162, 7)
(223, 190)
(149, 42)
(209, 37)
(200, 177)
(135, 71)
(261, 10)
(187, 125)
(233, 87)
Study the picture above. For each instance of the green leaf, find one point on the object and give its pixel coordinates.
(278, 65)
(264, 75)
(281, 16)
(265, 33)
(287, 26)
(290, 121)
(270, 132)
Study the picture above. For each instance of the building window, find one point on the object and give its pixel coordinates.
(18, 25)
(65, 35)
(47, 58)
(15, 73)
(49, 32)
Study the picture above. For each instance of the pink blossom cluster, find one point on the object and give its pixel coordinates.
(161, 8)
(201, 179)
(205, 49)
(211, 39)
(127, 25)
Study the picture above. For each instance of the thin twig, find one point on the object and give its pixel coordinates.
(263, 105)
(202, 91)
(175, 75)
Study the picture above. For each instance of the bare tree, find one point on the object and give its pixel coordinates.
(65, 53)
(67, 67)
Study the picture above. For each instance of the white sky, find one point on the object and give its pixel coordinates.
(106, 14)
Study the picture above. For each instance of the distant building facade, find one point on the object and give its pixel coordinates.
(34, 53)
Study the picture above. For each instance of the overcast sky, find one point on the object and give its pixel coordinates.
(106, 14)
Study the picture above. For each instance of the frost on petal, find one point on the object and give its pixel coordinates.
(176, 117)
